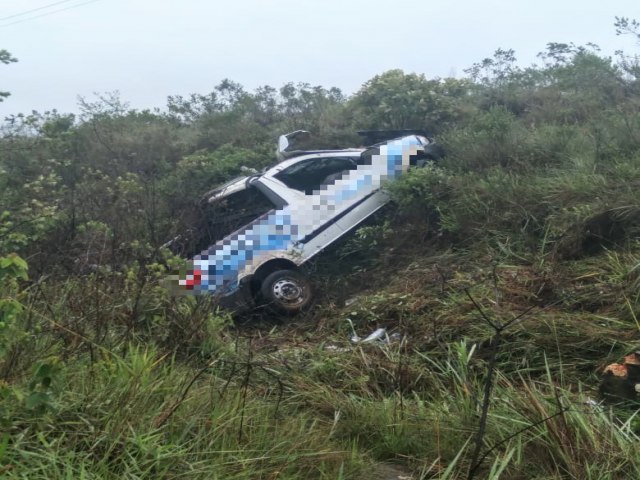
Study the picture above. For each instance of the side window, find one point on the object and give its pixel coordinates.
(310, 175)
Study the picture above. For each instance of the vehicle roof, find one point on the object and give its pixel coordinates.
(238, 183)
(305, 155)
(376, 137)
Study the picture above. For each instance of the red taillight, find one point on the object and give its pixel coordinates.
(193, 279)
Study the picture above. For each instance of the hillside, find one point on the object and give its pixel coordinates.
(530, 227)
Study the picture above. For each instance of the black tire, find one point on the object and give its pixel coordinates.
(286, 291)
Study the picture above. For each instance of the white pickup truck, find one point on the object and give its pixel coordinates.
(290, 213)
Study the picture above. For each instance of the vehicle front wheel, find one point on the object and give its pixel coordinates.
(286, 291)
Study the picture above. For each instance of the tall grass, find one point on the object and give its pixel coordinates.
(103, 374)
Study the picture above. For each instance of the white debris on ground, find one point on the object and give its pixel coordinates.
(375, 335)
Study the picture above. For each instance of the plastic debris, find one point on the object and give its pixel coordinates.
(395, 337)
(351, 301)
(336, 348)
(375, 335)
(591, 402)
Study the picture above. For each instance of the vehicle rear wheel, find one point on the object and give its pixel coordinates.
(286, 291)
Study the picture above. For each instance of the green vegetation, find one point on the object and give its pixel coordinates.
(534, 212)
(5, 58)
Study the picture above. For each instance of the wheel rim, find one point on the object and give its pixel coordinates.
(288, 291)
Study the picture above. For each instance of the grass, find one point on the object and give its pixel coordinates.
(534, 213)
(111, 419)
(299, 399)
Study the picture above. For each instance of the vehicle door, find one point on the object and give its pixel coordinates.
(321, 189)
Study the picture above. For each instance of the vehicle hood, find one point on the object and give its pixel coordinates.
(233, 186)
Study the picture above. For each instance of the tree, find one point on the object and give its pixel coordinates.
(395, 99)
(496, 70)
(5, 57)
(630, 64)
(626, 26)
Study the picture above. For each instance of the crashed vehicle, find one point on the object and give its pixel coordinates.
(293, 211)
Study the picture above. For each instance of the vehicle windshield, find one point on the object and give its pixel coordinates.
(213, 222)
(228, 214)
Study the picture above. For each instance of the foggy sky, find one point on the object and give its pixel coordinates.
(149, 49)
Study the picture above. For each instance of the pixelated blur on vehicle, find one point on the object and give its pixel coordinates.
(262, 227)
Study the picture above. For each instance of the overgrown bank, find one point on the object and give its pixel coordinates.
(535, 211)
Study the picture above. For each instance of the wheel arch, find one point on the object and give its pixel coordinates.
(267, 269)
